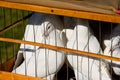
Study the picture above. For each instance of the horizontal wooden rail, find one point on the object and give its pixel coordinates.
(64, 12)
(61, 49)
(14, 24)
(12, 76)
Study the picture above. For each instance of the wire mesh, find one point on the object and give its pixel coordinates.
(71, 68)
(8, 17)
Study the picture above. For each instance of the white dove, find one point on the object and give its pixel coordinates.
(32, 33)
(46, 62)
(112, 48)
(83, 39)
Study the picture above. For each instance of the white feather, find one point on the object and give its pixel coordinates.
(83, 39)
(44, 62)
(112, 47)
(32, 29)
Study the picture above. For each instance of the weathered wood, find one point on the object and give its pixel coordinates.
(61, 49)
(12, 76)
(100, 6)
(65, 12)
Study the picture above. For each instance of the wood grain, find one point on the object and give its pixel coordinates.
(12, 76)
(64, 12)
(61, 49)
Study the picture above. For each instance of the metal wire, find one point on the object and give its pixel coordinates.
(77, 47)
(5, 46)
(13, 36)
(88, 50)
(22, 13)
(111, 30)
(34, 36)
(99, 25)
(47, 50)
(16, 19)
(56, 51)
(67, 64)
(0, 46)
(0, 58)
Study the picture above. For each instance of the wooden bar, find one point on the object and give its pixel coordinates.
(12, 76)
(61, 49)
(64, 12)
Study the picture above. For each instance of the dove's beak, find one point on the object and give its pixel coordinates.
(113, 48)
(45, 34)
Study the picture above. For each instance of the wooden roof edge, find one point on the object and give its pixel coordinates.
(64, 12)
(13, 76)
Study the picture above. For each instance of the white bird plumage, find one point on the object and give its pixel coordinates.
(112, 48)
(83, 39)
(44, 62)
(32, 29)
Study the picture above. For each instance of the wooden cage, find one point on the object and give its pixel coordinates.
(31, 6)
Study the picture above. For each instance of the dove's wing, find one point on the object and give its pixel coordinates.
(84, 40)
(43, 62)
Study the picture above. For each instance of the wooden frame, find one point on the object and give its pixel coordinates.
(64, 12)
(12, 76)
(61, 49)
(115, 18)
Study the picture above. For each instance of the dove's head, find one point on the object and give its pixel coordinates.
(51, 25)
(112, 46)
(47, 29)
(51, 29)
(113, 49)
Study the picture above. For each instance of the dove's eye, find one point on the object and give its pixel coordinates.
(48, 27)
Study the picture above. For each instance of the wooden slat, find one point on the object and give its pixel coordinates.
(61, 49)
(64, 12)
(12, 76)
